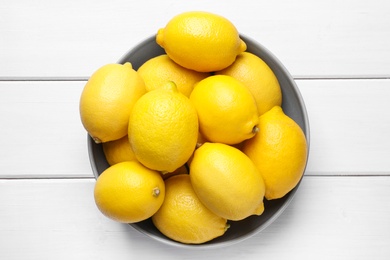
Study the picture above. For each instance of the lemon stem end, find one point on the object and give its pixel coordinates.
(96, 140)
(227, 226)
(156, 192)
(198, 145)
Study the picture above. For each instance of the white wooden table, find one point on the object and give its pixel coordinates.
(337, 51)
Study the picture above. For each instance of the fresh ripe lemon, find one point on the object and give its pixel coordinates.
(182, 216)
(163, 129)
(118, 151)
(279, 151)
(227, 181)
(259, 78)
(159, 70)
(201, 41)
(107, 100)
(226, 109)
(129, 192)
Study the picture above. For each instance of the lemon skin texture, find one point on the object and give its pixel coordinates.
(227, 181)
(107, 100)
(163, 129)
(201, 41)
(226, 109)
(118, 151)
(128, 192)
(279, 151)
(159, 70)
(258, 77)
(183, 217)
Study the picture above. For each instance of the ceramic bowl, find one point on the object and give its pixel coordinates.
(293, 105)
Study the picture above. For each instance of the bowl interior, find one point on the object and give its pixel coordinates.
(292, 105)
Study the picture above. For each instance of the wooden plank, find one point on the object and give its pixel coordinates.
(350, 122)
(329, 218)
(322, 38)
(51, 142)
(41, 131)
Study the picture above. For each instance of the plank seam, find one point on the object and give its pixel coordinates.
(22, 79)
(300, 77)
(92, 177)
(48, 178)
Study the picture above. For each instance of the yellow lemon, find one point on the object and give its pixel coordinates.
(107, 100)
(259, 78)
(129, 192)
(226, 109)
(182, 216)
(163, 129)
(279, 151)
(201, 41)
(227, 181)
(118, 151)
(161, 69)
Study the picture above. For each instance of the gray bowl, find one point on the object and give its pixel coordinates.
(293, 105)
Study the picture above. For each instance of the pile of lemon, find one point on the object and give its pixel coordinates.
(195, 137)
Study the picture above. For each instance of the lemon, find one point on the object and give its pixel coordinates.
(227, 110)
(129, 192)
(163, 129)
(279, 151)
(201, 41)
(107, 100)
(118, 151)
(182, 216)
(227, 181)
(161, 69)
(259, 78)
